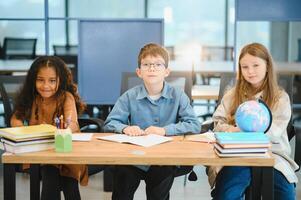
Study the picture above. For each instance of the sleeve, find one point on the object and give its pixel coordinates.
(71, 112)
(281, 117)
(119, 116)
(220, 115)
(187, 121)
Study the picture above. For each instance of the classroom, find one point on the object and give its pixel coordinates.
(203, 49)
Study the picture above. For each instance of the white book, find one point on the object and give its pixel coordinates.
(145, 140)
(240, 150)
(27, 148)
(260, 155)
(28, 142)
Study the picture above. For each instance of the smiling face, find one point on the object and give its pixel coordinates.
(253, 69)
(152, 70)
(47, 82)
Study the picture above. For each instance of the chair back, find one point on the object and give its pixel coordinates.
(299, 50)
(182, 80)
(19, 48)
(65, 50)
(9, 86)
(286, 81)
(227, 81)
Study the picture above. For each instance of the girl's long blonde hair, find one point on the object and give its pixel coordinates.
(244, 91)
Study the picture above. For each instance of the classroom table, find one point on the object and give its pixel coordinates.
(177, 152)
(216, 68)
(11, 66)
(8, 67)
(206, 92)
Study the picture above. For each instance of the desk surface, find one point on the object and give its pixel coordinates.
(10, 66)
(177, 152)
(219, 67)
(207, 92)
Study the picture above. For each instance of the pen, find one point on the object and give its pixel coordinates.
(57, 122)
(61, 122)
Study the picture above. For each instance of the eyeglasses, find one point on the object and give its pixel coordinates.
(157, 66)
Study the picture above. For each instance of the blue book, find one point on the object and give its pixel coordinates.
(241, 138)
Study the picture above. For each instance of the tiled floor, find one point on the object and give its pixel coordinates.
(198, 190)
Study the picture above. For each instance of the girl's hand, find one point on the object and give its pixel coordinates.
(233, 129)
(133, 131)
(155, 130)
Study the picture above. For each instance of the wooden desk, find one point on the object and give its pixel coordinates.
(209, 92)
(206, 92)
(177, 152)
(210, 68)
(10, 66)
(288, 67)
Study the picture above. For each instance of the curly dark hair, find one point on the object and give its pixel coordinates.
(28, 92)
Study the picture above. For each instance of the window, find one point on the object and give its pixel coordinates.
(188, 24)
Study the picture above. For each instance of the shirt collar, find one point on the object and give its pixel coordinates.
(258, 95)
(166, 92)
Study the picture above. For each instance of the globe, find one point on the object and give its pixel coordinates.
(253, 116)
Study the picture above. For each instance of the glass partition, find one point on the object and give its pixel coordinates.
(22, 9)
(24, 29)
(97, 8)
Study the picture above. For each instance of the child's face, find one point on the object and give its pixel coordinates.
(152, 70)
(47, 82)
(253, 69)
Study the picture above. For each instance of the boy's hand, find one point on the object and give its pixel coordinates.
(155, 130)
(133, 131)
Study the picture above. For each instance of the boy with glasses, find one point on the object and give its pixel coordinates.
(154, 107)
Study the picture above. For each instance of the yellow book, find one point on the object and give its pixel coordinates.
(28, 132)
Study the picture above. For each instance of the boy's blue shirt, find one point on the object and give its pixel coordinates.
(172, 111)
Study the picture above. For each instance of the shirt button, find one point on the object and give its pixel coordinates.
(156, 120)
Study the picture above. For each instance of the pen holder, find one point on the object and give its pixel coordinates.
(63, 140)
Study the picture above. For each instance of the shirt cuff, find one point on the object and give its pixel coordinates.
(169, 130)
(120, 127)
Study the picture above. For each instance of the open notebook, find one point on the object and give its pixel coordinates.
(207, 137)
(145, 141)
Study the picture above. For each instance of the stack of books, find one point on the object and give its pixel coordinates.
(27, 138)
(242, 144)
